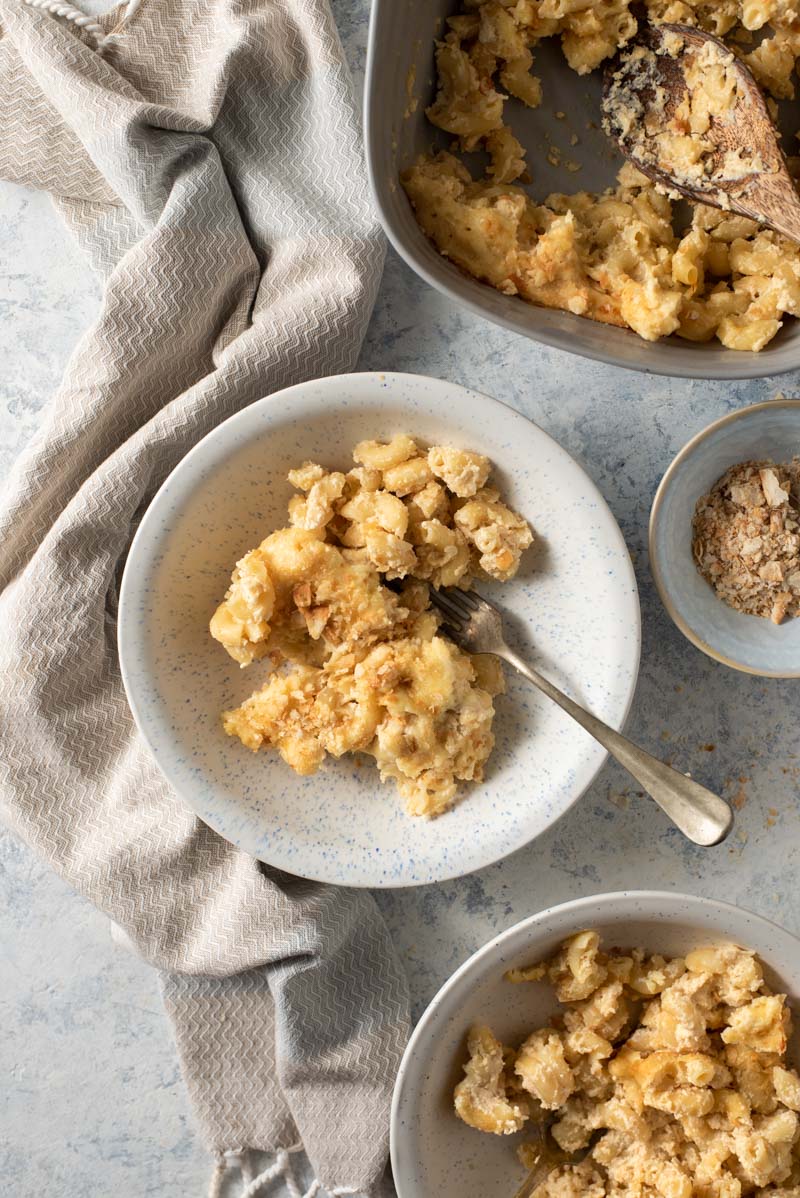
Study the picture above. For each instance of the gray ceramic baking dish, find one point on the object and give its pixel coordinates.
(399, 86)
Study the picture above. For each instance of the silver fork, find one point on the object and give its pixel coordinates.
(477, 627)
(551, 1157)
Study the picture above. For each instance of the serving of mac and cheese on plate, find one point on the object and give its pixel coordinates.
(360, 664)
(347, 670)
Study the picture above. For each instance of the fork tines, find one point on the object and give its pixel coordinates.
(456, 604)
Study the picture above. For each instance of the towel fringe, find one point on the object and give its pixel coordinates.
(68, 12)
(281, 1169)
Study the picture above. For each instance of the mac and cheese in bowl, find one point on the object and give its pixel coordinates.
(673, 1070)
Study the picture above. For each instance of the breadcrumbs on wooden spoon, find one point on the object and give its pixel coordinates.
(746, 538)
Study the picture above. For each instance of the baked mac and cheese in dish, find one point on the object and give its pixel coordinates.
(620, 257)
(674, 1069)
(358, 665)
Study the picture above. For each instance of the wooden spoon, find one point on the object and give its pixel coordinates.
(646, 94)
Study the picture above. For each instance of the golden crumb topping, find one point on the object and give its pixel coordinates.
(746, 538)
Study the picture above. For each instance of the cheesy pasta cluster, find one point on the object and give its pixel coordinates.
(363, 666)
(672, 1071)
(613, 257)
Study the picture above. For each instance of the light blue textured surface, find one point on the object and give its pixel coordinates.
(91, 1104)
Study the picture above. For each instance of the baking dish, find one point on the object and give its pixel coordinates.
(400, 84)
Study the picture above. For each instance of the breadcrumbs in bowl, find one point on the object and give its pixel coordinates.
(746, 538)
(724, 539)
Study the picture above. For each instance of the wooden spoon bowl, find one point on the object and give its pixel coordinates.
(745, 133)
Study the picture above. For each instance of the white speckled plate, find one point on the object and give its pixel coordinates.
(575, 600)
(433, 1152)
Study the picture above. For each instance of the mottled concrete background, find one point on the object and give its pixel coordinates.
(92, 1103)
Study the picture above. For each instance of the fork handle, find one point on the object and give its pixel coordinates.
(539, 1173)
(702, 816)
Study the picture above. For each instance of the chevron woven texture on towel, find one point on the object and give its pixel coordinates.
(209, 162)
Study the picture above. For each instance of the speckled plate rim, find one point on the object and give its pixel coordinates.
(718, 917)
(655, 512)
(127, 634)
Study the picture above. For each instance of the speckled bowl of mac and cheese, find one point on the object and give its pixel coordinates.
(655, 1029)
(282, 659)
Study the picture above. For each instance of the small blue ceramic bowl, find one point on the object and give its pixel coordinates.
(748, 643)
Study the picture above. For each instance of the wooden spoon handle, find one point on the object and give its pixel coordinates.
(778, 205)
